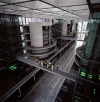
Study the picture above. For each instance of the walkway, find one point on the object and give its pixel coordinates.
(37, 65)
(48, 87)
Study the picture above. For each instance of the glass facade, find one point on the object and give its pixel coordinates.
(10, 37)
(88, 81)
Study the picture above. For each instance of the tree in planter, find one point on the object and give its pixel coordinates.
(57, 31)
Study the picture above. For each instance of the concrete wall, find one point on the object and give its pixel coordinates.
(36, 34)
(45, 35)
(46, 42)
(64, 29)
(40, 51)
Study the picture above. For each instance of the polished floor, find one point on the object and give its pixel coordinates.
(48, 87)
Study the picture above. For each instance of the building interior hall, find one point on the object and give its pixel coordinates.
(49, 51)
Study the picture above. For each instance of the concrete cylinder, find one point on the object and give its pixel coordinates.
(64, 29)
(36, 34)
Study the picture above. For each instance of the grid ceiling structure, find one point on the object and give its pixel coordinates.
(65, 9)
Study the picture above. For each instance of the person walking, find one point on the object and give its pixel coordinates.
(41, 63)
(52, 67)
(56, 66)
(47, 64)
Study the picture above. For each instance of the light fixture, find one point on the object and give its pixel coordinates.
(90, 76)
(83, 74)
(99, 77)
(94, 91)
(13, 67)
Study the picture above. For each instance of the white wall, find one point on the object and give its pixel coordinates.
(36, 34)
(64, 28)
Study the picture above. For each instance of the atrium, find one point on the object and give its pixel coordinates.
(49, 51)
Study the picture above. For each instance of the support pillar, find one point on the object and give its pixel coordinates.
(19, 92)
(34, 77)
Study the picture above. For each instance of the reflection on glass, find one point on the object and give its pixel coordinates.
(21, 29)
(23, 44)
(23, 19)
(30, 20)
(24, 51)
(22, 37)
(27, 22)
(20, 20)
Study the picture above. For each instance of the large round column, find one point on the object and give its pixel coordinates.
(64, 29)
(36, 34)
(42, 45)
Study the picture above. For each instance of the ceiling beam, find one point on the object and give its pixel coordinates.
(89, 5)
(16, 2)
(64, 6)
(68, 11)
(79, 10)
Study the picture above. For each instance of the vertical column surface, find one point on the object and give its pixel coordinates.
(64, 29)
(36, 34)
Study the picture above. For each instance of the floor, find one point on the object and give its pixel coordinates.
(48, 87)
